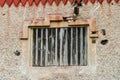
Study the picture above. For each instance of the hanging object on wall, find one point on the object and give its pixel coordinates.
(37, 2)
(43, 2)
(57, 2)
(116, 1)
(9, 2)
(92, 1)
(85, 1)
(17, 53)
(109, 1)
(30, 2)
(100, 1)
(65, 2)
(23, 2)
(76, 10)
(2, 2)
(16, 2)
(71, 1)
(50, 2)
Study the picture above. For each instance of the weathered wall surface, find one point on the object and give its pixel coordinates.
(107, 66)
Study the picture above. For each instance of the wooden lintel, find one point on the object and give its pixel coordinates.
(58, 24)
(40, 23)
(94, 36)
(78, 23)
(55, 18)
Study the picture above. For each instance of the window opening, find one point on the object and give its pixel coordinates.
(60, 46)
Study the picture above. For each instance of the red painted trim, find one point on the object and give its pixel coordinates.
(30, 2)
(109, 1)
(92, 1)
(37, 2)
(116, 1)
(71, 1)
(100, 1)
(78, 1)
(44, 2)
(65, 2)
(50, 2)
(16, 2)
(2, 2)
(9, 2)
(85, 1)
(23, 2)
(57, 2)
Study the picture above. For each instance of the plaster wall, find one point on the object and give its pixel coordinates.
(107, 57)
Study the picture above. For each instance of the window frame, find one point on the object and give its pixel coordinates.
(82, 63)
(25, 37)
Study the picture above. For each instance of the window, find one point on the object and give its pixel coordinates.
(60, 46)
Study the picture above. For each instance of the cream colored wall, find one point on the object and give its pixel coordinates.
(107, 57)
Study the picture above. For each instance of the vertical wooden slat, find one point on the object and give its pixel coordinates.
(69, 48)
(81, 46)
(51, 56)
(31, 47)
(56, 49)
(61, 39)
(51, 42)
(63, 46)
(71, 60)
(41, 48)
(49, 46)
(44, 47)
(85, 54)
(46, 54)
(58, 46)
(66, 48)
(76, 46)
(36, 48)
(52, 47)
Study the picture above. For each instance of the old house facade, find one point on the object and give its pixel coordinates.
(59, 40)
